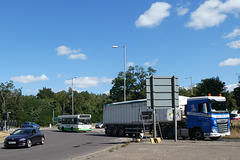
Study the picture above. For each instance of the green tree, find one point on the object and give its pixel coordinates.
(135, 84)
(214, 86)
(231, 101)
(45, 93)
(9, 97)
(64, 99)
(236, 95)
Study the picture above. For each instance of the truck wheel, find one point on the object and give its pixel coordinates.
(109, 132)
(198, 134)
(115, 132)
(121, 132)
(170, 135)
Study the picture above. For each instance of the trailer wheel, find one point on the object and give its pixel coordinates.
(115, 132)
(121, 132)
(198, 134)
(109, 132)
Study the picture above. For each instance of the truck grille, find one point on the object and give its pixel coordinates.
(222, 125)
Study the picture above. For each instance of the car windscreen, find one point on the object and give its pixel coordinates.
(21, 132)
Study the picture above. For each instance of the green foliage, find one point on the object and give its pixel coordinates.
(231, 101)
(236, 95)
(214, 86)
(135, 84)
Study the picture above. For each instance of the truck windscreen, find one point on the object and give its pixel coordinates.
(218, 107)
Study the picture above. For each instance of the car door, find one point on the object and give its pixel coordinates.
(34, 136)
(39, 136)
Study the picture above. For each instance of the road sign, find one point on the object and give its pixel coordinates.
(162, 90)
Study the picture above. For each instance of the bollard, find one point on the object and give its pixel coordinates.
(50, 125)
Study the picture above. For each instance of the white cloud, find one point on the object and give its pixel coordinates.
(230, 62)
(154, 16)
(74, 53)
(106, 80)
(130, 64)
(63, 50)
(231, 87)
(234, 33)
(30, 78)
(151, 63)
(59, 75)
(29, 90)
(212, 13)
(87, 82)
(107, 92)
(234, 44)
(182, 11)
(78, 56)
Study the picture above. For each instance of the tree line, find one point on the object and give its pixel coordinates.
(39, 108)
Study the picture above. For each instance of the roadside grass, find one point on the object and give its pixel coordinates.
(3, 135)
(235, 129)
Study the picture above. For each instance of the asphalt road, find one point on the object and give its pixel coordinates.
(62, 146)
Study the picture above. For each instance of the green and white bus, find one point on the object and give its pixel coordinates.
(80, 122)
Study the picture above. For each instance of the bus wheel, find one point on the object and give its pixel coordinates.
(63, 129)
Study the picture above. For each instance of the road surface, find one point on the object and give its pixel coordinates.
(62, 146)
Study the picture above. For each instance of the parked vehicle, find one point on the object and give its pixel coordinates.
(24, 137)
(202, 117)
(80, 122)
(99, 125)
(235, 115)
(30, 124)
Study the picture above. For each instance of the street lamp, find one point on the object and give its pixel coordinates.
(72, 95)
(124, 47)
(191, 84)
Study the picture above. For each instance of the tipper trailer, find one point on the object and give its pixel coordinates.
(200, 117)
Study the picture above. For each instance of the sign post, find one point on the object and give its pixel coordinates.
(162, 93)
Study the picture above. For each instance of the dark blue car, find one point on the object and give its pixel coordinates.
(24, 137)
(30, 124)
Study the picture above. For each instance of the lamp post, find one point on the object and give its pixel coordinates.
(191, 84)
(124, 92)
(72, 95)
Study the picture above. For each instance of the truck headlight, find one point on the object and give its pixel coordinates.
(214, 122)
(214, 130)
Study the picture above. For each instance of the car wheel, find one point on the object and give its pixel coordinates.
(29, 143)
(42, 140)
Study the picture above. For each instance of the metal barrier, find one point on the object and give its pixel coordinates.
(8, 125)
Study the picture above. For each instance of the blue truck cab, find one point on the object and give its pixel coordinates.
(208, 116)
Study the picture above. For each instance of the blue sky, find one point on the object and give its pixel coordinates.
(46, 43)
